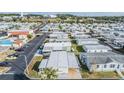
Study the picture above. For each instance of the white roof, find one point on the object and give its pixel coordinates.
(57, 44)
(96, 47)
(43, 63)
(58, 32)
(61, 35)
(62, 59)
(119, 39)
(60, 40)
(72, 61)
(87, 41)
(84, 35)
(53, 59)
(20, 30)
(58, 60)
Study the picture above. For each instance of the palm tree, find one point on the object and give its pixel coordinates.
(48, 74)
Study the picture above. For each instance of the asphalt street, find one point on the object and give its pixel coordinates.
(19, 65)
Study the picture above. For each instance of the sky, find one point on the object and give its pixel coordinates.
(75, 13)
(88, 13)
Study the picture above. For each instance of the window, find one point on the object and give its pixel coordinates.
(112, 65)
(97, 66)
(119, 66)
(105, 66)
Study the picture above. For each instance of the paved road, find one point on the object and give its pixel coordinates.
(113, 50)
(18, 65)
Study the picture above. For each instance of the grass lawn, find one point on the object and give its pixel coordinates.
(100, 75)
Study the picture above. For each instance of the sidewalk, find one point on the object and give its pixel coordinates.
(120, 74)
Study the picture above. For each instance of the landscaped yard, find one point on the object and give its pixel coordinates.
(73, 42)
(99, 75)
(33, 67)
(96, 75)
(4, 69)
(77, 49)
(4, 55)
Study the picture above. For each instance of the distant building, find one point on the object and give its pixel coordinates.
(58, 35)
(18, 43)
(87, 41)
(57, 46)
(53, 16)
(22, 15)
(96, 48)
(82, 36)
(20, 34)
(119, 42)
(60, 40)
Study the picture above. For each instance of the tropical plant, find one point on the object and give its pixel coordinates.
(48, 74)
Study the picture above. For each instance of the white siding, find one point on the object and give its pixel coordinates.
(108, 68)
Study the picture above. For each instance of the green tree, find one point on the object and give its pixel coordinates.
(48, 74)
(60, 27)
(29, 36)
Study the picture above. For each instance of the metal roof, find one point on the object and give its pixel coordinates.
(73, 61)
(43, 63)
(53, 60)
(87, 41)
(60, 44)
(96, 47)
(60, 59)
(103, 58)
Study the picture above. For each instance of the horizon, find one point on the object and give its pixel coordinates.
(91, 14)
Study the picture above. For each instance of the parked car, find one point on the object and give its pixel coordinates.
(13, 56)
(5, 63)
(37, 35)
(20, 49)
(12, 48)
